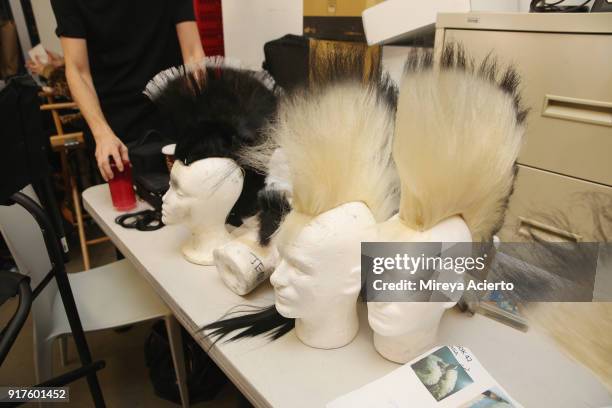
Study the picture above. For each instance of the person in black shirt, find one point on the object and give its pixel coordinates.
(112, 49)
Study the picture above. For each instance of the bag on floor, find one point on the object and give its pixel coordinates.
(204, 378)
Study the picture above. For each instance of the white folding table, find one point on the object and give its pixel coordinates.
(286, 373)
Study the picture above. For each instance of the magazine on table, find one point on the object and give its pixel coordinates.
(444, 377)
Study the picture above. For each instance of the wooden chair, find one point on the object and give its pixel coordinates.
(64, 143)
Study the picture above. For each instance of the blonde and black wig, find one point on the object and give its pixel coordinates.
(458, 133)
(217, 110)
(337, 138)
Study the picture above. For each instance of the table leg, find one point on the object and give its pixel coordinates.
(175, 338)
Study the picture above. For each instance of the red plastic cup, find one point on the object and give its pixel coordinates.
(121, 189)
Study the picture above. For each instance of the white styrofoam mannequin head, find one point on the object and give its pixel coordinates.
(201, 196)
(403, 330)
(243, 263)
(318, 279)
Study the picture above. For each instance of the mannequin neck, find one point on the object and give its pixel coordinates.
(403, 348)
(200, 246)
(333, 330)
(209, 229)
(205, 236)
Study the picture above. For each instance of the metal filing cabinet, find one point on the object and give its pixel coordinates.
(565, 61)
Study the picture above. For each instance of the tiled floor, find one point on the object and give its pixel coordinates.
(124, 381)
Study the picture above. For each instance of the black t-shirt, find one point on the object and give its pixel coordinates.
(128, 43)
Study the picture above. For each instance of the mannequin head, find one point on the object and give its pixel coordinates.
(456, 163)
(336, 197)
(403, 330)
(217, 110)
(337, 142)
(319, 276)
(201, 196)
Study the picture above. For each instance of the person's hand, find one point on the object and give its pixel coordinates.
(109, 145)
(35, 66)
(55, 59)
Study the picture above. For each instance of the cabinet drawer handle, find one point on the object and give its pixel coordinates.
(527, 227)
(578, 110)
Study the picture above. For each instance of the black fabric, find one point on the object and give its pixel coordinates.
(151, 187)
(287, 61)
(146, 155)
(9, 284)
(149, 169)
(24, 145)
(128, 43)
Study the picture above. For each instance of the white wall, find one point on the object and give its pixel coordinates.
(249, 24)
(45, 21)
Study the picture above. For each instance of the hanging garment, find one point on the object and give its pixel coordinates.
(9, 50)
(24, 145)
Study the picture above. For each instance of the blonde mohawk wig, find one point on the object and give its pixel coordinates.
(458, 133)
(337, 140)
(336, 136)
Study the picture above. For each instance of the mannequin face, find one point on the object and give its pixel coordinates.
(177, 201)
(319, 272)
(207, 188)
(392, 319)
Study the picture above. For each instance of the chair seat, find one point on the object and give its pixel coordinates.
(109, 296)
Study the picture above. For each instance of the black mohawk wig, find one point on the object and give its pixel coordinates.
(217, 111)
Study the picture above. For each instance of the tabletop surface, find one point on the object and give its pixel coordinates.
(286, 373)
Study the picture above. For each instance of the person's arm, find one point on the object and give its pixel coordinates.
(189, 39)
(84, 94)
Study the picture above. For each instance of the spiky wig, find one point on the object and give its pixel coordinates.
(459, 128)
(338, 145)
(336, 137)
(218, 110)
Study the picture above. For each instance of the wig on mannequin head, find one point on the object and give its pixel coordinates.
(459, 128)
(337, 137)
(217, 110)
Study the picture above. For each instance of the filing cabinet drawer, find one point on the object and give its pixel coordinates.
(539, 194)
(567, 83)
